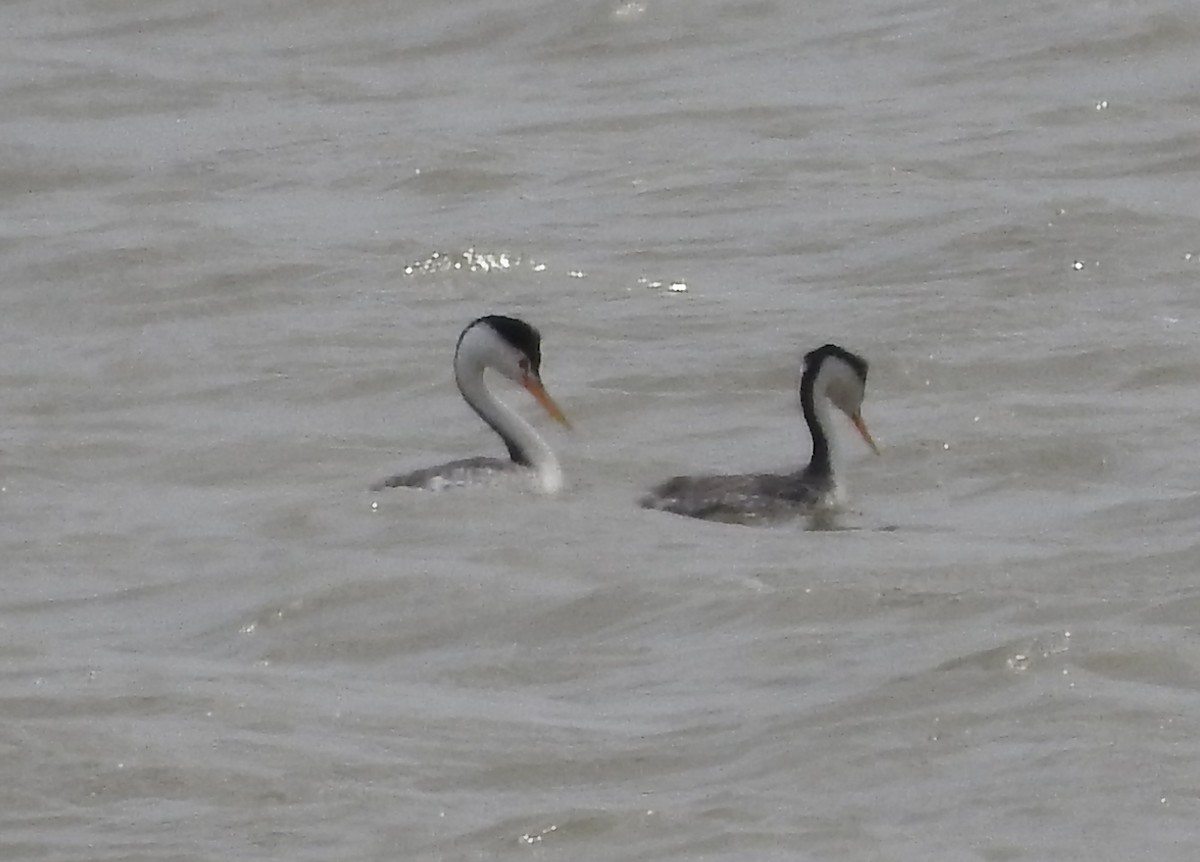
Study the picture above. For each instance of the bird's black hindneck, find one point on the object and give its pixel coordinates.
(518, 455)
(821, 464)
(522, 337)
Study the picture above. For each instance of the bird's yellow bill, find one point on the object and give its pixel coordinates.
(862, 429)
(536, 389)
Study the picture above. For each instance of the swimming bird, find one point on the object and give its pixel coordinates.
(830, 375)
(513, 348)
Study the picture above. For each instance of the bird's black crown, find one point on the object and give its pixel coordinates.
(516, 332)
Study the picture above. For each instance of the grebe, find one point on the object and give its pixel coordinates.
(831, 374)
(513, 348)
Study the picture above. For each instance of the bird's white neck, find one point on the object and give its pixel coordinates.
(816, 405)
(824, 416)
(525, 445)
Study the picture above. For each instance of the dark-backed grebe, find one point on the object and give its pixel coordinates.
(513, 348)
(830, 375)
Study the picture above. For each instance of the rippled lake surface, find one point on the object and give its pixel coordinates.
(238, 245)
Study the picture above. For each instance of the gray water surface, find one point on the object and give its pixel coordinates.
(237, 247)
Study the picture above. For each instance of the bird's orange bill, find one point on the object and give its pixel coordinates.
(536, 389)
(862, 429)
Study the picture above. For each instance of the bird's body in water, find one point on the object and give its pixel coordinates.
(513, 348)
(830, 375)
